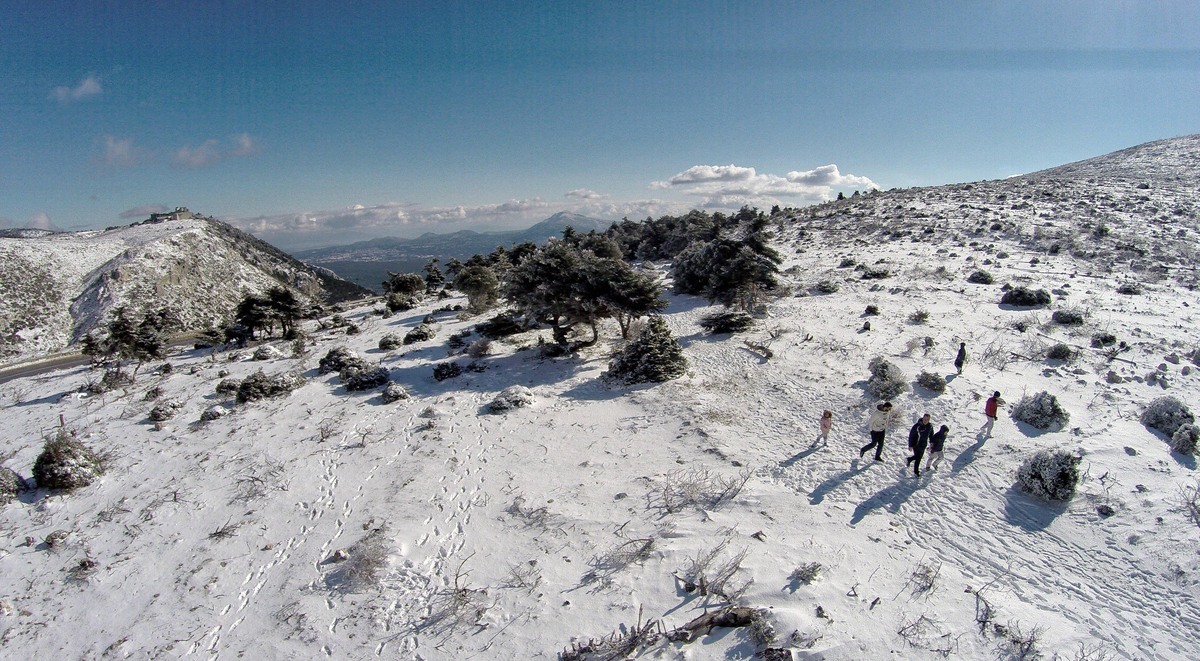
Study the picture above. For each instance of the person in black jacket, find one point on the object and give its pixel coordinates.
(961, 358)
(936, 443)
(918, 440)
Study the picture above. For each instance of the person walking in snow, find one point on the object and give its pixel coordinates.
(992, 410)
(878, 424)
(936, 443)
(918, 440)
(826, 425)
(961, 358)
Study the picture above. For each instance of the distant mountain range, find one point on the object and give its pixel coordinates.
(367, 262)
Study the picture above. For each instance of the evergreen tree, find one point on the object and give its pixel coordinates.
(654, 357)
(286, 309)
(481, 286)
(434, 279)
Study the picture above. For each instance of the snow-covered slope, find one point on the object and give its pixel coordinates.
(328, 524)
(59, 286)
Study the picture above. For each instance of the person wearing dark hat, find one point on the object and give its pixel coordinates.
(961, 358)
(992, 410)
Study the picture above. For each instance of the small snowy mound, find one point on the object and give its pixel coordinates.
(1050, 475)
(510, 398)
(65, 463)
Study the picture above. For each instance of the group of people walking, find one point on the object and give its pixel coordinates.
(922, 437)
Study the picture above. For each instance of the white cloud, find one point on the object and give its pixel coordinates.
(210, 152)
(118, 152)
(706, 173)
(143, 211)
(732, 186)
(88, 87)
(584, 194)
(41, 221)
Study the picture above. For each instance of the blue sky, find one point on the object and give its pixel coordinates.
(313, 123)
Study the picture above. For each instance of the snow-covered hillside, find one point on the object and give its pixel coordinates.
(59, 286)
(329, 524)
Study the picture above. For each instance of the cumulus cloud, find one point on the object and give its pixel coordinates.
(143, 211)
(88, 87)
(584, 194)
(210, 152)
(732, 186)
(118, 152)
(698, 174)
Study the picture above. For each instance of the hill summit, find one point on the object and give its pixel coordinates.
(60, 286)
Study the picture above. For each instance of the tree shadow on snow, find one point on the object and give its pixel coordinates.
(891, 497)
(1029, 513)
(823, 489)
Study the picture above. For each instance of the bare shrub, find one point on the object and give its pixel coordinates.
(918, 317)
(364, 564)
(924, 577)
(697, 487)
(479, 348)
(711, 572)
(457, 605)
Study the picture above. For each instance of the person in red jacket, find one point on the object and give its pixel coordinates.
(992, 410)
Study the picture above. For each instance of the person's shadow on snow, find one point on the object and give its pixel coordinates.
(891, 497)
(803, 454)
(817, 495)
(965, 457)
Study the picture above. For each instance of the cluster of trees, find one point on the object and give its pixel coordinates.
(279, 307)
(126, 338)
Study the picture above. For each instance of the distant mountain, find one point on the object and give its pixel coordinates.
(59, 286)
(459, 245)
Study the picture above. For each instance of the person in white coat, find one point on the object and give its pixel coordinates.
(878, 423)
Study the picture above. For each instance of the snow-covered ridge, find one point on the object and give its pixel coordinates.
(59, 286)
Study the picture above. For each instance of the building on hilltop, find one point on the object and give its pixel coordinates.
(180, 213)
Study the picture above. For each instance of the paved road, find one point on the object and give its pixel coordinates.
(36, 367)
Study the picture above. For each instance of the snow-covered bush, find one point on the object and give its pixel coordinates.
(1067, 317)
(267, 352)
(390, 341)
(214, 412)
(981, 278)
(443, 371)
(228, 387)
(932, 382)
(1050, 475)
(728, 321)
(394, 392)
(419, 334)
(164, 411)
(1025, 298)
(1167, 414)
(513, 397)
(1041, 411)
(355, 379)
(11, 484)
(260, 386)
(336, 360)
(827, 287)
(1184, 439)
(655, 356)
(1059, 351)
(886, 381)
(65, 463)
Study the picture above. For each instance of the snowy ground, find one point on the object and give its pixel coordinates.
(517, 535)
